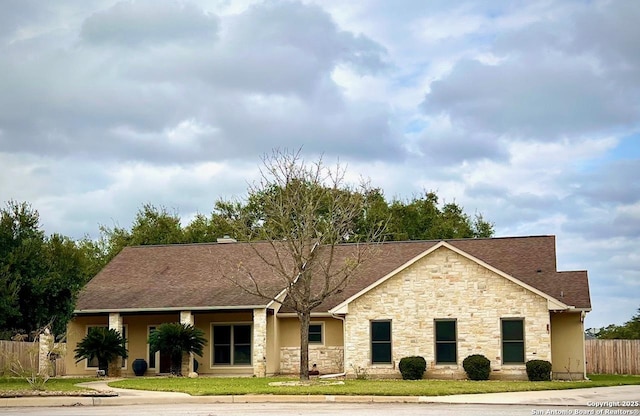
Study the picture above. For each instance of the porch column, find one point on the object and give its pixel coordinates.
(260, 342)
(115, 322)
(45, 346)
(186, 318)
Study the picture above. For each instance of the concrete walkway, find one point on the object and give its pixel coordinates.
(591, 397)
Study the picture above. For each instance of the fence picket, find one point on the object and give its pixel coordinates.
(613, 356)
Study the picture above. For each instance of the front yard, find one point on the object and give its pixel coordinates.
(207, 386)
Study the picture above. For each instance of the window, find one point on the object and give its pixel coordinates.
(232, 344)
(123, 331)
(446, 348)
(513, 341)
(151, 357)
(315, 333)
(381, 342)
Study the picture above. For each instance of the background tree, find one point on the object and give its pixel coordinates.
(176, 340)
(40, 276)
(422, 218)
(628, 330)
(301, 210)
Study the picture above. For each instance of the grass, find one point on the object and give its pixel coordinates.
(15, 384)
(205, 386)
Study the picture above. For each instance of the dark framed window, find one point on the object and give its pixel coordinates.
(446, 342)
(381, 342)
(513, 341)
(315, 334)
(232, 344)
(152, 357)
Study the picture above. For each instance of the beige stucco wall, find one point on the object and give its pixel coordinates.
(273, 344)
(567, 345)
(204, 322)
(76, 330)
(444, 285)
(327, 356)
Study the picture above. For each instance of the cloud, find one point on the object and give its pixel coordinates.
(148, 23)
(255, 80)
(548, 81)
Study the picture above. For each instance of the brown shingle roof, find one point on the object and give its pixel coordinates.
(198, 275)
(177, 276)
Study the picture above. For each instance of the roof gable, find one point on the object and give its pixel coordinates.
(343, 307)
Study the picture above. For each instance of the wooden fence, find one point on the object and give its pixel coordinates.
(27, 354)
(613, 356)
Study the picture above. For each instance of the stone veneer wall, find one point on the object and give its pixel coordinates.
(446, 285)
(328, 359)
(259, 342)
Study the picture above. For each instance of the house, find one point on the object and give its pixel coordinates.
(443, 300)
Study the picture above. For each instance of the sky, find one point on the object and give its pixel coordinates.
(527, 112)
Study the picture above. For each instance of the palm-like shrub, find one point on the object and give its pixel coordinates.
(101, 343)
(174, 339)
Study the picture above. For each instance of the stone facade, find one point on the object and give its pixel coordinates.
(259, 342)
(446, 285)
(328, 360)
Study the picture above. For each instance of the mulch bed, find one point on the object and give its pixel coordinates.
(45, 393)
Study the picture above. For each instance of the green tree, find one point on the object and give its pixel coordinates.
(422, 218)
(629, 330)
(151, 225)
(40, 276)
(103, 344)
(175, 340)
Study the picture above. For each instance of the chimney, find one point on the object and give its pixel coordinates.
(226, 239)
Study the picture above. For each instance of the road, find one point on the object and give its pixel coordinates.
(306, 409)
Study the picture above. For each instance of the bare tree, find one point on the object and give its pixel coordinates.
(303, 214)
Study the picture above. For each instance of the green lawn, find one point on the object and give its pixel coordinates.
(239, 386)
(8, 384)
(204, 386)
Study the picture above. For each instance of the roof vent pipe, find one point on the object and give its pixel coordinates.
(226, 239)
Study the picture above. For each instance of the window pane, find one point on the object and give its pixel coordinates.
(381, 353)
(152, 356)
(242, 354)
(316, 338)
(222, 354)
(512, 330)
(381, 331)
(315, 333)
(513, 352)
(242, 334)
(222, 335)
(445, 353)
(445, 330)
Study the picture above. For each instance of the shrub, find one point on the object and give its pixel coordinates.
(412, 368)
(539, 370)
(104, 344)
(175, 339)
(477, 367)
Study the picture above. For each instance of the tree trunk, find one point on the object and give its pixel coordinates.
(305, 318)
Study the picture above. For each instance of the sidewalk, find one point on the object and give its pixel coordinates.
(575, 397)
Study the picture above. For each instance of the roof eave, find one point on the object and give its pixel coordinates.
(168, 309)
